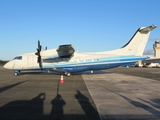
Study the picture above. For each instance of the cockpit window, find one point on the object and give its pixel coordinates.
(18, 58)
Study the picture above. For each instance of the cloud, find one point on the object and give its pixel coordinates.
(148, 52)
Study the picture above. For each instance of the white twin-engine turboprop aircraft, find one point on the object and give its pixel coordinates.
(66, 60)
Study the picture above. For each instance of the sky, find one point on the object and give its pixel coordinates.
(90, 25)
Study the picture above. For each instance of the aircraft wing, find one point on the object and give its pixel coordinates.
(65, 51)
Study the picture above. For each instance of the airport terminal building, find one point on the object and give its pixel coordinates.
(154, 59)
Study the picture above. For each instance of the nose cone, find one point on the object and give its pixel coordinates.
(8, 66)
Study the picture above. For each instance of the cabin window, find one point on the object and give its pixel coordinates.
(18, 58)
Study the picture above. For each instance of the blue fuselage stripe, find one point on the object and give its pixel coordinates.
(92, 64)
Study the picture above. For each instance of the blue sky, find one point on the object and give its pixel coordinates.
(90, 25)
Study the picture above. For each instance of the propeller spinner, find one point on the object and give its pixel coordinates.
(39, 60)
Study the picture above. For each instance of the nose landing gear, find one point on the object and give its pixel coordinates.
(16, 72)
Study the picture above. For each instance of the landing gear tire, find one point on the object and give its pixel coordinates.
(67, 74)
(16, 74)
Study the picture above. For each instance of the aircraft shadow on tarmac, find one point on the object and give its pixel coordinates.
(11, 86)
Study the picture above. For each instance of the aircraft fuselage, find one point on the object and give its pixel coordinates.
(78, 63)
(64, 59)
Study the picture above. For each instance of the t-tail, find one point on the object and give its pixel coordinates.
(137, 43)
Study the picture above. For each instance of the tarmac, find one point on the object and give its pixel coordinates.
(113, 94)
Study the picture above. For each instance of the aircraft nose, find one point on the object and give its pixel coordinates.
(7, 66)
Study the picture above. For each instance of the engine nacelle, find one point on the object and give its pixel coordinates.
(45, 54)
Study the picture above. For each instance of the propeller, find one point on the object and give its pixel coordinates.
(39, 60)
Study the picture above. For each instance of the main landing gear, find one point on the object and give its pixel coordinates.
(16, 72)
(67, 74)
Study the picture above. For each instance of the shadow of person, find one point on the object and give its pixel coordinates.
(87, 107)
(57, 108)
(23, 109)
(37, 104)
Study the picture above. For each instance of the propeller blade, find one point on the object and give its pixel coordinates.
(40, 47)
(39, 59)
(40, 63)
(38, 43)
(38, 54)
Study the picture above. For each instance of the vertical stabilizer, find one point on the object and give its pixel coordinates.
(138, 42)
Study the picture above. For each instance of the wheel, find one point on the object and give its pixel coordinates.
(68, 74)
(15, 74)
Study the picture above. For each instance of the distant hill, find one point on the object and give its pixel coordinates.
(2, 62)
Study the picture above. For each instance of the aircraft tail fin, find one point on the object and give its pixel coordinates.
(137, 43)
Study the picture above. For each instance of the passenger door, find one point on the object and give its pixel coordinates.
(30, 61)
